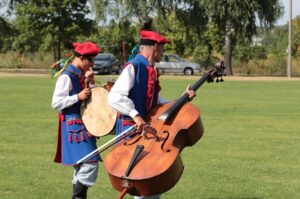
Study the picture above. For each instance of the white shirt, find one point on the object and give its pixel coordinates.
(118, 96)
(61, 98)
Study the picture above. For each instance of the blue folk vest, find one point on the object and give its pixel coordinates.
(74, 141)
(144, 92)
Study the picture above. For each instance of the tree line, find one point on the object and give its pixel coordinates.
(203, 30)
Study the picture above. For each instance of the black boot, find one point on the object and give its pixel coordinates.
(79, 191)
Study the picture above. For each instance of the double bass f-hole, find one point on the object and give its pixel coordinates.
(165, 140)
(135, 137)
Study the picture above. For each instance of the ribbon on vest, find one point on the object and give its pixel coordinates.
(153, 88)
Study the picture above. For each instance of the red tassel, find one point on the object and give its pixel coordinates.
(61, 116)
(70, 137)
(118, 115)
(88, 134)
(82, 136)
(76, 138)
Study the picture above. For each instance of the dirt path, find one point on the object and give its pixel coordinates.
(24, 72)
(238, 78)
(5, 74)
(263, 78)
(230, 78)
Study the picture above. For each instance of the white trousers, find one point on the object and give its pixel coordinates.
(86, 173)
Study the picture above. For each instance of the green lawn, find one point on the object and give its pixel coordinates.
(250, 148)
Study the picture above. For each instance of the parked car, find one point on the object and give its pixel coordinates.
(106, 63)
(172, 63)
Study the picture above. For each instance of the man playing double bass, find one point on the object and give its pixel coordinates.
(136, 91)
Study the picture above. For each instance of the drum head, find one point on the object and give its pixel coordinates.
(98, 117)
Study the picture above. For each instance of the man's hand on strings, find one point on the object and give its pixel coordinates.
(144, 128)
(140, 122)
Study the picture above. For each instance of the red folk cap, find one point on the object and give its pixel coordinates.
(86, 48)
(148, 37)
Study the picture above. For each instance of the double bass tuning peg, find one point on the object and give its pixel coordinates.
(209, 80)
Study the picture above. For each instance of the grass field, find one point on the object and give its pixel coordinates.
(250, 148)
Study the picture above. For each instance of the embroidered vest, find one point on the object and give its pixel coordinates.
(75, 141)
(144, 93)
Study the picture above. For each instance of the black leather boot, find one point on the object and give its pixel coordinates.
(79, 191)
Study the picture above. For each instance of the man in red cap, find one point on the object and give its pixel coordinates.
(74, 141)
(136, 91)
(147, 25)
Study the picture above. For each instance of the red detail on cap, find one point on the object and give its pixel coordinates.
(86, 48)
(154, 36)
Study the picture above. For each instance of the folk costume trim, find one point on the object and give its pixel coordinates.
(76, 129)
(74, 141)
(146, 78)
(125, 120)
(74, 121)
(153, 88)
(58, 155)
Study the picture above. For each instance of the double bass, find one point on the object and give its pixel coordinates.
(149, 163)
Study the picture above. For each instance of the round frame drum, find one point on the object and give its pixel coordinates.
(97, 116)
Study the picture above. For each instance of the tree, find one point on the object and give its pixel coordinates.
(111, 37)
(8, 6)
(245, 51)
(276, 40)
(296, 36)
(183, 21)
(238, 19)
(50, 23)
(7, 33)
